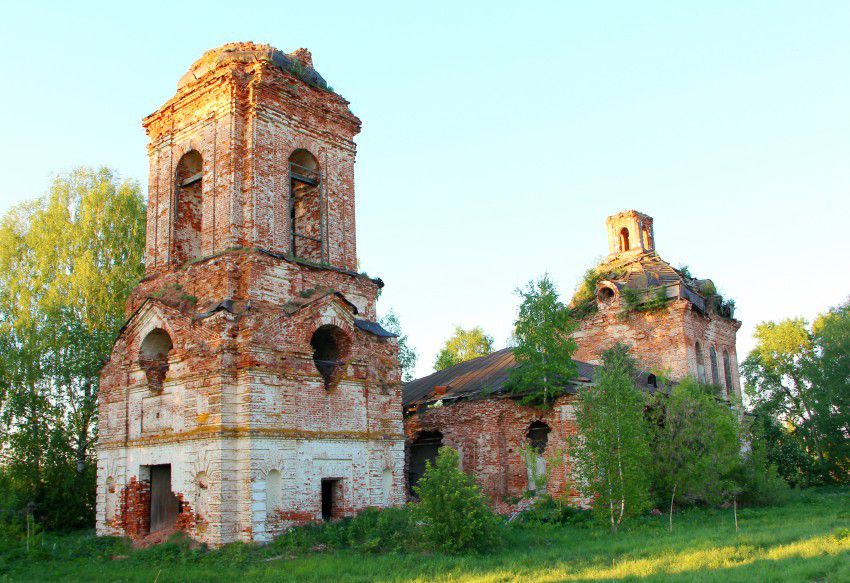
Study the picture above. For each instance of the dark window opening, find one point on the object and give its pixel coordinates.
(305, 206)
(715, 376)
(700, 363)
(164, 504)
(153, 357)
(329, 348)
(652, 381)
(330, 493)
(538, 436)
(624, 239)
(727, 373)
(423, 450)
(189, 211)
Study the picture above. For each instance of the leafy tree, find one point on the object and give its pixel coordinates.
(829, 372)
(695, 445)
(756, 477)
(67, 263)
(799, 375)
(406, 353)
(544, 348)
(782, 448)
(462, 346)
(454, 514)
(611, 450)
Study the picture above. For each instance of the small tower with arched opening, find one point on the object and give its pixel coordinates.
(630, 232)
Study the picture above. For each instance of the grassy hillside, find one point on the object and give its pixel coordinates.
(806, 539)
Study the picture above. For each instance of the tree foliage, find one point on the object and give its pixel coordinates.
(462, 346)
(406, 353)
(611, 451)
(799, 375)
(67, 263)
(544, 348)
(454, 514)
(695, 445)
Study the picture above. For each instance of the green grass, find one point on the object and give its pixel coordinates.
(806, 539)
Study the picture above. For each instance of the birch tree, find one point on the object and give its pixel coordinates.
(544, 348)
(67, 263)
(611, 451)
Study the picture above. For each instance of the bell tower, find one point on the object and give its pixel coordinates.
(251, 387)
(254, 150)
(630, 232)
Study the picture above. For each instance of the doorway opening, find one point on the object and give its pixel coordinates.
(330, 490)
(164, 504)
(423, 450)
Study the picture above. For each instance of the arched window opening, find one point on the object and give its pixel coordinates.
(189, 212)
(423, 450)
(305, 206)
(153, 357)
(538, 436)
(700, 364)
(715, 375)
(330, 346)
(605, 295)
(727, 373)
(272, 492)
(652, 381)
(624, 239)
(535, 463)
(647, 239)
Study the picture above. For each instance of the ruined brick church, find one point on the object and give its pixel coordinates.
(251, 387)
(512, 449)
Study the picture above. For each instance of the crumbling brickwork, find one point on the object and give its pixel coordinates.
(219, 374)
(676, 339)
(492, 438)
(664, 341)
(670, 326)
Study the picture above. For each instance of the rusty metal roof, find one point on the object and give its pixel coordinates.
(374, 328)
(485, 377)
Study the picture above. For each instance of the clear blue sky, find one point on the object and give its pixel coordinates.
(498, 136)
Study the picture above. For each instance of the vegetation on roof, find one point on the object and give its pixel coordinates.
(297, 69)
(583, 303)
(637, 300)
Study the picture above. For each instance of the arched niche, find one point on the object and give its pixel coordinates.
(153, 357)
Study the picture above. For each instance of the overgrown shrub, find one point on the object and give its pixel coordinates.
(635, 300)
(452, 509)
(783, 450)
(695, 445)
(757, 476)
(549, 510)
(373, 530)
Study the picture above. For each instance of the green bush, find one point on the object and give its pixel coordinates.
(454, 515)
(373, 530)
(757, 477)
(548, 510)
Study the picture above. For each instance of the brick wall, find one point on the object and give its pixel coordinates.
(663, 340)
(490, 435)
(238, 407)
